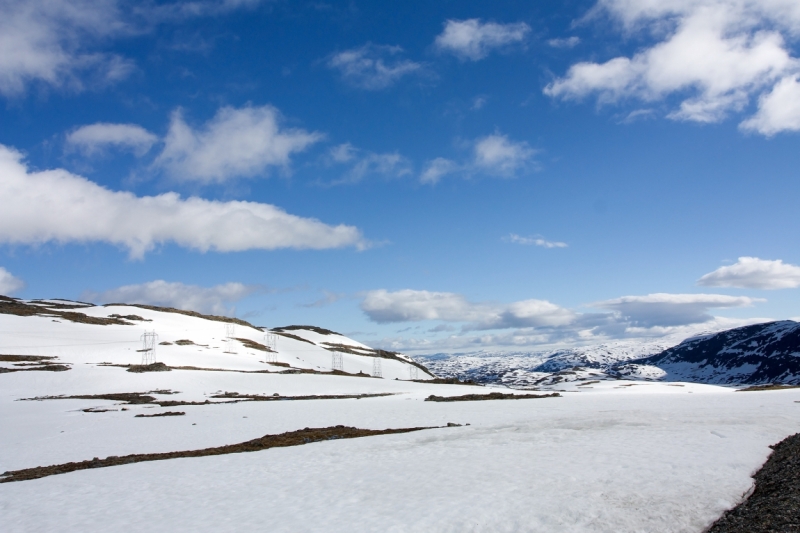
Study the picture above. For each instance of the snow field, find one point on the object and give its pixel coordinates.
(610, 457)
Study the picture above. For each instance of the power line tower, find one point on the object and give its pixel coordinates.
(377, 367)
(149, 341)
(271, 342)
(413, 372)
(337, 361)
(230, 333)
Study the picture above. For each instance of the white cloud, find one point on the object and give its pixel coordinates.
(58, 206)
(409, 305)
(236, 142)
(778, 110)
(9, 284)
(473, 40)
(713, 54)
(566, 42)
(664, 309)
(437, 169)
(478, 103)
(211, 300)
(43, 40)
(373, 67)
(93, 138)
(363, 164)
(58, 42)
(496, 154)
(536, 241)
(754, 273)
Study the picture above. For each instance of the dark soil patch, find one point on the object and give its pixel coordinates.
(152, 367)
(25, 358)
(11, 306)
(446, 381)
(140, 398)
(253, 345)
(290, 438)
(165, 343)
(774, 506)
(46, 368)
(31, 362)
(769, 386)
(490, 396)
(184, 342)
(295, 337)
(215, 318)
(315, 329)
(278, 398)
(130, 317)
(165, 413)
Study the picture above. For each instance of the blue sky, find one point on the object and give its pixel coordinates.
(424, 176)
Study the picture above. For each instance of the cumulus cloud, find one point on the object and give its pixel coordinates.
(409, 305)
(235, 143)
(754, 273)
(210, 300)
(94, 138)
(61, 207)
(662, 309)
(778, 110)
(714, 55)
(373, 67)
(9, 284)
(535, 241)
(497, 154)
(473, 40)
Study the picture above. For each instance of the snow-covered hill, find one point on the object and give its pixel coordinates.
(762, 353)
(79, 333)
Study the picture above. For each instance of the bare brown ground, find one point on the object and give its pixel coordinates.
(769, 386)
(490, 396)
(23, 363)
(290, 438)
(774, 505)
(141, 398)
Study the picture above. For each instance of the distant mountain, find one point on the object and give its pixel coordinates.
(524, 369)
(762, 353)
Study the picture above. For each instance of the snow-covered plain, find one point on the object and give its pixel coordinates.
(610, 456)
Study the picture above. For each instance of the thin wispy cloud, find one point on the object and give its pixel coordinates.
(373, 67)
(363, 164)
(533, 241)
(60, 43)
(473, 40)
(565, 42)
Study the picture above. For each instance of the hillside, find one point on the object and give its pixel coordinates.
(73, 333)
(762, 353)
